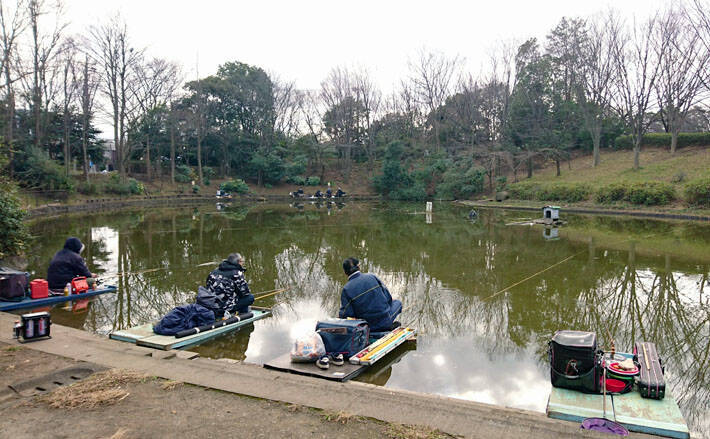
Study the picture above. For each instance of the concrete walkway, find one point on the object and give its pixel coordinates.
(465, 418)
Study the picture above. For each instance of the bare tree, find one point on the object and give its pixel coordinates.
(342, 113)
(44, 48)
(370, 98)
(433, 76)
(594, 91)
(89, 81)
(156, 83)
(683, 69)
(116, 59)
(69, 88)
(287, 101)
(636, 60)
(12, 23)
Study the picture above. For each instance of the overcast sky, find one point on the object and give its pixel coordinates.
(303, 40)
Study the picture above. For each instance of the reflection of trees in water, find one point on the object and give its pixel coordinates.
(444, 273)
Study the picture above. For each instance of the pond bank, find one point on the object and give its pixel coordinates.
(586, 210)
(348, 400)
(98, 204)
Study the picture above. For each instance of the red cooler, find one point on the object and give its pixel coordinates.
(39, 289)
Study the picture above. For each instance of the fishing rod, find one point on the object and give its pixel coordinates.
(112, 274)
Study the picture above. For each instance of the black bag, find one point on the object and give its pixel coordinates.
(344, 336)
(13, 284)
(575, 362)
(650, 381)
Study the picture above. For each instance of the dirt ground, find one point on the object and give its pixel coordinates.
(119, 404)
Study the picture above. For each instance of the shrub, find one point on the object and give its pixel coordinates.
(37, 170)
(235, 186)
(664, 140)
(195, 189)
(459, 184)
(13, 231)
(501, 183)
(415, 192)
(135, 187)
(647, 193)
(567, 192)
(678, 177)
(87, 188)
(184, 174)
(697, 192)
(313, 181)
(298, 180)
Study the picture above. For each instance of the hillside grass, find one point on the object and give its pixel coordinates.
(657, 164)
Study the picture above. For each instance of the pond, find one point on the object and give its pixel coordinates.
(626, 279)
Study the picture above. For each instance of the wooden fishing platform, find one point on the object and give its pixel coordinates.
(143, 335)
(352, 368)
(650, 416)
(28, 303)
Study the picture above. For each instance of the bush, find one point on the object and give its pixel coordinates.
(567, 192)
(235, 186)
(459, 184)
(195, 189)
(648, 193)
(13, 232)
(297, 180)
(184, 174)
(313, 181)
(664, 140)
(697, 192)
(37, 170)
(135, 187)
(87, 188)
(416, 192)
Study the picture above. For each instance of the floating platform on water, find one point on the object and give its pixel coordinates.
(351, 369)
(659, 417)
(143, 335)
(28, 303)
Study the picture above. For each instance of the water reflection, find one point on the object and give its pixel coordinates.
(479, 339)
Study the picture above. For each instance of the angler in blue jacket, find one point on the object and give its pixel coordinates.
(366, 297)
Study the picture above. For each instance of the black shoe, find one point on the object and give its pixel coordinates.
(337, 360)
(323, 362)
(396, 325)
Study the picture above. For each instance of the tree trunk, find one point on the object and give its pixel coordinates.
(172, 150)
(199, 158)
(148, 171)
(596, 140)
(10, 126)
(530, 167)
(67, 147)
(637, 152)
(557, 163)
(85, 125)
(674, 140)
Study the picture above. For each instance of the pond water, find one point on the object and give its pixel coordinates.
(627, 279)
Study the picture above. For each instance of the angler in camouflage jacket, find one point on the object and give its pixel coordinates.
(229, 286)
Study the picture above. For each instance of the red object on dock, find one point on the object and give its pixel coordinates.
(39, 289)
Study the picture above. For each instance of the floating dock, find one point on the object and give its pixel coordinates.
(358, 363)
(650, 416)
(143, 335)
(28, 303)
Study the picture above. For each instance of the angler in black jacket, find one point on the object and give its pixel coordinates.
(230, 287)
(66, 265)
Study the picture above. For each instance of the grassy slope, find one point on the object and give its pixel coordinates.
(657, 164)
(617, 166)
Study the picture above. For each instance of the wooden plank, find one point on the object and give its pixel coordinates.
(131, 335)
(335, 373)
(659, 417)
(571, 405)
(167, 342)
(27, 303)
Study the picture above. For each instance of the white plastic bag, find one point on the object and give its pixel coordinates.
(307, 348)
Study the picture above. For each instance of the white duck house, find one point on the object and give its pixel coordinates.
(551, 213)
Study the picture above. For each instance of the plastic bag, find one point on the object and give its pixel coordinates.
(307, 348)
